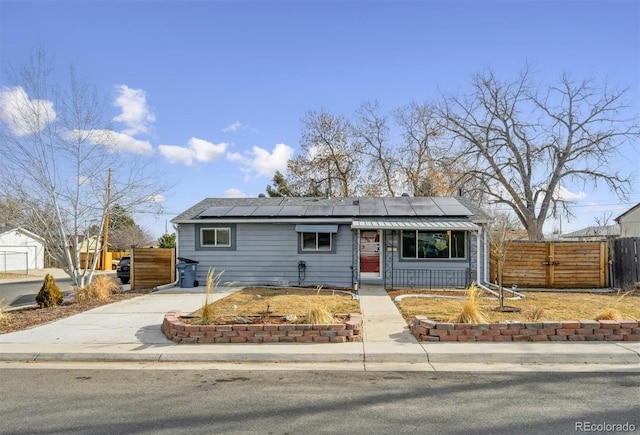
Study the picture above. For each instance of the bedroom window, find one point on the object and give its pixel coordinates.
(215, 237)
(433, 244)
(315, 241)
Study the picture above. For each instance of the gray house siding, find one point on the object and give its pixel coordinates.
(268, 254)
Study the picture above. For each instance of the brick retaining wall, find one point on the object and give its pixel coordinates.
(425, 329)
(181, 332)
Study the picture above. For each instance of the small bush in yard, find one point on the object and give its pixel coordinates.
(4, 317)
(100, 289)
(49, 294)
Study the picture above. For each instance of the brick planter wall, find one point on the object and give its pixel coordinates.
(425, 329)
(180, 332)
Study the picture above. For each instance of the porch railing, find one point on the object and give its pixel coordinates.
(438, 278)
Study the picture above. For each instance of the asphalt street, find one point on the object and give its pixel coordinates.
(200, 401)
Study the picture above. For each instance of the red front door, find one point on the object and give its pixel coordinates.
(370, 252)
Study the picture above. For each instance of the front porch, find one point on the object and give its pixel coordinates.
(396, 253)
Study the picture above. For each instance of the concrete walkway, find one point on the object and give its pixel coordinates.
(129, 331)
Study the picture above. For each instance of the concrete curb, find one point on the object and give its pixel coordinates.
(597, 353)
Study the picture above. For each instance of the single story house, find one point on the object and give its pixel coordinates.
(339, 242)
(629, 222)
(20, 250)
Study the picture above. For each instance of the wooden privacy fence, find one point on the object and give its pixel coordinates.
(626, 267)
(554, 265)
(151, 267)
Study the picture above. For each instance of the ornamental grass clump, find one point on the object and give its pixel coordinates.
(471, 309)
(612, 313)
(100, 289)
(49, 294)
(319, 312)
(207, 313)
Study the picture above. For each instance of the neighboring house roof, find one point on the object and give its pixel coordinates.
(594, 231)
(9, 228)
(627, 212)
(335, 208)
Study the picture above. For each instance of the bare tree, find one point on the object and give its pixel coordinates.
(328, 156)
(371, 131)
(524, 143)
(501, 234)
(56, 149)
(125, 237)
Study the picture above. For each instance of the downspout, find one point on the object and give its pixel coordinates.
(172, 284)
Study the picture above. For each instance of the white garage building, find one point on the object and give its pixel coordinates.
(20, 250)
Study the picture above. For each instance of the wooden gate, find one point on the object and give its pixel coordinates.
(151, 267)
(555, 265)
(625, 260)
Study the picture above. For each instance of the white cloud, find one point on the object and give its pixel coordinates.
(263, 162)
(22, 115)
(176, 154)
(156, 199)
(198, 150)
(234, 127)
(135, 112)
(563, 194)
(234, 193)
(116, 141)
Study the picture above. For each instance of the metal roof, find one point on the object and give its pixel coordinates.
(414, 224)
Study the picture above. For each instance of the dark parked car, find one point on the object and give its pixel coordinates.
(124, 270)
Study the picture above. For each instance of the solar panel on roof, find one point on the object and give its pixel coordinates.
(346, 210)
(242, 210)
(215, 211)
(373, 209)
(319, 210)
(267, 210)
(294, 210)
(420, 200)
(451, 207)
(427, 210)
(398, 207)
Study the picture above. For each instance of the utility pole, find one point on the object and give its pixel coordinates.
(105, 230)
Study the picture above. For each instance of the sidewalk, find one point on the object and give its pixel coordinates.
(129, 331)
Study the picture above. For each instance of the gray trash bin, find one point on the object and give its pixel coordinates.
(187, 270)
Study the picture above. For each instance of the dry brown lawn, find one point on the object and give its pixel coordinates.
(260, 304)
(536, 306)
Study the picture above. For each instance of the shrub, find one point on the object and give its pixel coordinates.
(471, 309)
(49, 294)
(4, 317)
(100, 289)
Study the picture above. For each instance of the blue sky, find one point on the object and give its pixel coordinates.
(212, 92)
